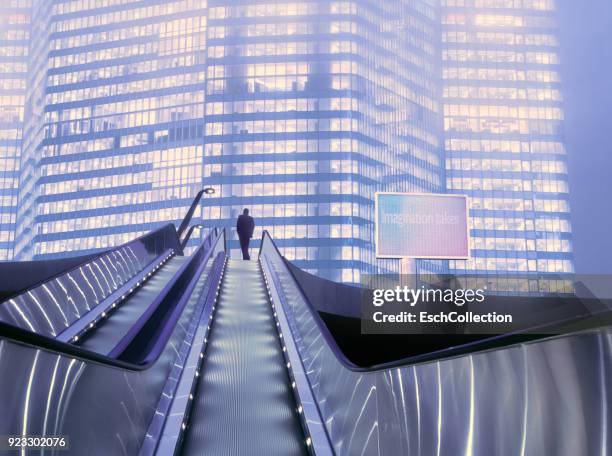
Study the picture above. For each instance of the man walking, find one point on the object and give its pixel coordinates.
(245, 226)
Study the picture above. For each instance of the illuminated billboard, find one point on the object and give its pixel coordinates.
(421, 225)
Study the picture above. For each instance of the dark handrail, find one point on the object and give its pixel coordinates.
(185, 223)
(161, 311)
(188, 235)
(494, 342)
(37, 341)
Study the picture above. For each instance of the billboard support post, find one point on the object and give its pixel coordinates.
(408, 272)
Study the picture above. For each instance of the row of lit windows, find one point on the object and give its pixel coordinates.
(13, 51)
(502, 93)
(388, 79)
(510, 185)
(468, 164)
(135, 119)
(71, 6)
(497, 265)
(283, 105)
(161, 29)
(520, 244)
(7, 218)
(553, 225)
(276, 166)
(118, 199)
(542, 5)
(113, 89)
(112, 220)
(357, 148)
(14, 34)
(266, 84)
(173, 176)
(497, 74)
(502, 126)
(482, 55)
(10, 114)
(497, 38)
(279, 9)
(12, 84)
(289, 146)
(6, 234)
(498, 20)
(253, 188)
(14, 67)
(282, 126)
(506, 146)
(178, 156)
(520, 112)
(513, 204)
(120, 107)
(473, 164)
(76, 244)
(114, 17)
(7, 200)
(73, 75)
(10, 151)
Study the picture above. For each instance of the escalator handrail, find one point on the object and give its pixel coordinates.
(320, 324)
(494, 342)
(37, 341)
(157, 232)
(196, 264)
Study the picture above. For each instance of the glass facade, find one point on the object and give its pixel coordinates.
(504, 142)
(299, 110)
(116, 121)
(14, 43)
(312, 107)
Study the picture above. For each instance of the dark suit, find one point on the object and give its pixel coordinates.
(245, 227)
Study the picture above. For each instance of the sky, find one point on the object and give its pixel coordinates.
(586, 53)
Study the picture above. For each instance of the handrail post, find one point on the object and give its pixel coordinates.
(189, 215)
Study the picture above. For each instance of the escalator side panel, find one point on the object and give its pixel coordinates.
(541, 398)
(106, 337)
(104, 410)
(51, 307)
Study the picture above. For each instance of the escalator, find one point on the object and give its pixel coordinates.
(106, 336)
(244, 402)
(235, 359)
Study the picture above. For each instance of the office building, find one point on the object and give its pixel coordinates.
(312, 107)
(503, 116)
(114, 124)
(14, 44)
(300, 111)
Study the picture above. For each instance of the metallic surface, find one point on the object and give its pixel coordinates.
(103, 409)
(244, 404)
(51, 307)
(107, 335)
(549, 397)
(166, 428)
(542, 398)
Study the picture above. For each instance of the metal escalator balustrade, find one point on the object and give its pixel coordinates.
(167, 423)
(104, 405)
(50, 307)
(243, 401)
(96, 316)
(515, 398)
(511, 400)
(104, 336)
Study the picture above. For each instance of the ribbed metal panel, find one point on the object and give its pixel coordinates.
(244, 404)
(104, 338)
